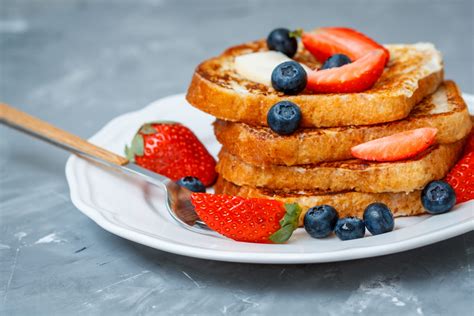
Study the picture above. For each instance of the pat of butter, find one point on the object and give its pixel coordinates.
(258, 67)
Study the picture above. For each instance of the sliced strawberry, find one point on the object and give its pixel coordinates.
(354, 77)
(248, 220)
(328, 41)
(461, 177)
(398, 146)
(172, 150)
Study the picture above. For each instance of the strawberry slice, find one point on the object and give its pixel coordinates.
(249, 220)
(354, 77)
(328, 41)
(461, 177)
(397, 146)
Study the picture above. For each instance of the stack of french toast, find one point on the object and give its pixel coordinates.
(338, 154)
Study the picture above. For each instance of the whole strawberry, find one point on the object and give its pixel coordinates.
(172, 150)
(249, 220)
(461, 177)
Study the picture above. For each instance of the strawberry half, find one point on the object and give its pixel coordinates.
(461, 177)
(249, 220)
(398, 146)
(172, 150)
(328, 41)
(354, 77)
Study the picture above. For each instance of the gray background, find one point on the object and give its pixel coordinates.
(78, 64)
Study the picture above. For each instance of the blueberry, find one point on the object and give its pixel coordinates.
(289, 77)
(192, 184)
(350, 228)
(336, 60)
(378, 218)
(284, 117)
(281, 41)
(438, 197)
(320, 221)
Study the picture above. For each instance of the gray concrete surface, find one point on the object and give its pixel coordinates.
(79, 63)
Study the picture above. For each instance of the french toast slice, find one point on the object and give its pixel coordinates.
(353, 174)
(413, 72)
(348, 203)
(444, 110)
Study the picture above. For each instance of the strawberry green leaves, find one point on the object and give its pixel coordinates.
(147, 129)
(296, 33)
(288, 224)
(136, 148)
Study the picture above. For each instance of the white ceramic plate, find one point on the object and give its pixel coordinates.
(135, 211)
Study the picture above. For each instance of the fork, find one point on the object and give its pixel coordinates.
(178, 199)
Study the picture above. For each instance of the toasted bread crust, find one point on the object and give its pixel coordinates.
(346, 203)
(357, 175)
(218, 90)
(261, 146)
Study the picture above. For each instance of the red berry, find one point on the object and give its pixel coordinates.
(354, 77)
(249, 220)
(461, 177)
(328, 41)
(398, 146)
(172, 150)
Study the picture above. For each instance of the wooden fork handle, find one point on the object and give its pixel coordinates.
(36, 127)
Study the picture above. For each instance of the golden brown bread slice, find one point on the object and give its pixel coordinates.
(445, 110)
(354, 174)
(414, 71)
(346, 203)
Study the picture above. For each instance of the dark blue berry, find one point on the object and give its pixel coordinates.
(281, 41)
(289, 77)
(284, 117)
(320, 221)
(336, 60)
(378, 218)
(350, 228)
(438, 197)
(192, 184)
